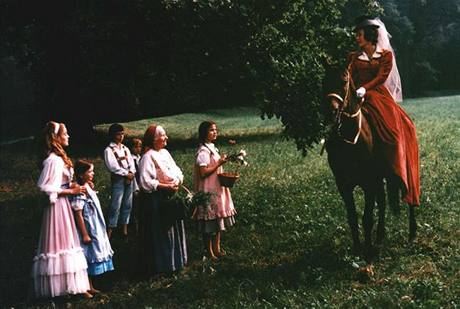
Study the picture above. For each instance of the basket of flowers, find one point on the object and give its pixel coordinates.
(228, 179)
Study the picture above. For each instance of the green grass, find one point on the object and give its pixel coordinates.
(291, 244)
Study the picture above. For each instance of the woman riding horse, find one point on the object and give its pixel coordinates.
(383, 141)
(375, 74)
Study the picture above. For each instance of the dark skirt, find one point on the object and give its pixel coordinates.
(162, 241)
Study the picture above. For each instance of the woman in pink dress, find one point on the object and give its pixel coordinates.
(59, 266)
(219, 213)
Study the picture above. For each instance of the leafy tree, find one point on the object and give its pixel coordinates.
(426, 38)
(95, 61)
(297, 42)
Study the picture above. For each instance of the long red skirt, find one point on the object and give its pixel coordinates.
(397, 132)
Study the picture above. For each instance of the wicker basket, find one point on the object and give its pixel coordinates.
(227, 179)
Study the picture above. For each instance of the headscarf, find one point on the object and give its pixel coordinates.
(393, 82)
(150, 135)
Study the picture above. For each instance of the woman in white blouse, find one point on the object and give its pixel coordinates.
(159, 177)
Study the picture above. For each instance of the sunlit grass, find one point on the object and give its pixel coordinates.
(242, 121)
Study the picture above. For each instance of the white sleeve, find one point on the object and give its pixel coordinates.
(203, 157)
(176, 170)
(77, 202)
(51, 177)
(112, 164)
(147, 174)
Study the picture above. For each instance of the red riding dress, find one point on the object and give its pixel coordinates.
(393, 126)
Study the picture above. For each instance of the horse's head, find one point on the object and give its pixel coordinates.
(342, 96)
(351, 102)
(345, 105)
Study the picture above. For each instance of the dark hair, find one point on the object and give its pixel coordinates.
(136, 142)
(81, 167)
(371, 34)
(115, 128)
(203, 130)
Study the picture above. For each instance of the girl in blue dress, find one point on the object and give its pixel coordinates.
(91, 224)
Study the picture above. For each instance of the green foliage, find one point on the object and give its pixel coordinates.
(425, 37)
(96, 62)
(294, 45)
(291, 246)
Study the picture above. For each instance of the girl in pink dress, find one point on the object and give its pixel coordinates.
(59, 267)
(219, 213)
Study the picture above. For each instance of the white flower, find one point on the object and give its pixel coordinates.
(242, 153)
(189, 197)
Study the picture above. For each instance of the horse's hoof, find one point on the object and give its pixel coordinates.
(368, 270)
(365, 274)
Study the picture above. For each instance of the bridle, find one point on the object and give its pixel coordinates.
(348, 87)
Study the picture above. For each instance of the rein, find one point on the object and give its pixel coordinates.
(357, 114)
(349, 85)
(348, 89)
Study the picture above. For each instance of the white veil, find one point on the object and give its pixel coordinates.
(393, 82)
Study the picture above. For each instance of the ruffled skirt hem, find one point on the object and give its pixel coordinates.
(202, 214)
(99, 268)
(216, 225)
(62, 284)
(60, 263)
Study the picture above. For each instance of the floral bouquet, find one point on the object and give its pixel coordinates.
(182, 204)
(238, 158)
(228, 179)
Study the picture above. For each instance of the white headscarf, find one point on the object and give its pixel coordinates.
(158, 131)
(393, 82)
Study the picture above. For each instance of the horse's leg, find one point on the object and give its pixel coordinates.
(368, 222)
(381, 203)
(352, 217)
(412, 223)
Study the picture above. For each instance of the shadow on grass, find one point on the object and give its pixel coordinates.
(20, 222)
(239, 279)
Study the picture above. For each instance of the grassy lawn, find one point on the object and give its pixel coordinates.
(291, 244)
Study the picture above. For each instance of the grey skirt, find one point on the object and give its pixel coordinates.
(216, 225)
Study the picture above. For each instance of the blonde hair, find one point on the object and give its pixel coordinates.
(52, 144)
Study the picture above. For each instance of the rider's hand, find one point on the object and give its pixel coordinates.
(360, 92)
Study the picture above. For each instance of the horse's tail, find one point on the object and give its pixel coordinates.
(393, 193)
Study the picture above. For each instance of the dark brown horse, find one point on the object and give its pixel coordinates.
(356, 160)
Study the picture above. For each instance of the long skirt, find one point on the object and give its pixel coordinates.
(399, 140)
(59, 267)
(163, 245)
